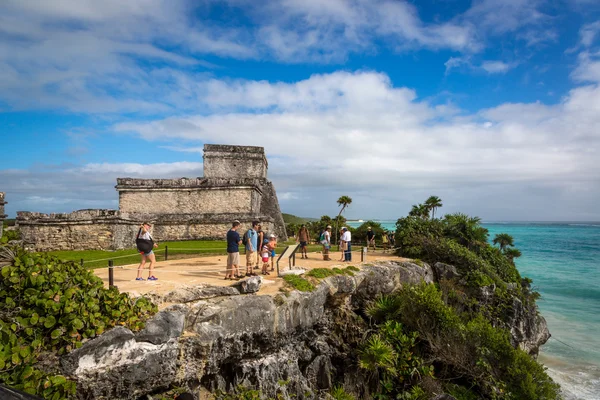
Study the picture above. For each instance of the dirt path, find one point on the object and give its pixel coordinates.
(211, 270)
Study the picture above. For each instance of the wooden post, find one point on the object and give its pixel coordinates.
(81, 262)
(363, 254)
(111, 276)
(166, 253)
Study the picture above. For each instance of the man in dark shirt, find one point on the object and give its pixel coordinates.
(370, 238)
(233, 252)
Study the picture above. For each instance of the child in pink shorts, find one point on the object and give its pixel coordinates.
(265, 253)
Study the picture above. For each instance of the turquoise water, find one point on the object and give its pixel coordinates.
(564, 262)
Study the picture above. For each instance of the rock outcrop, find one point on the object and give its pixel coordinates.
(294, 346)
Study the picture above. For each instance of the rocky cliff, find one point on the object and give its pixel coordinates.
(295, 346)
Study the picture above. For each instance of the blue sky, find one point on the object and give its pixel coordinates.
(491, 105)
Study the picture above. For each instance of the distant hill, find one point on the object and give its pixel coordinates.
(292, 219)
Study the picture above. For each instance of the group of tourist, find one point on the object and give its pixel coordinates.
(303, 239)
(259, 250)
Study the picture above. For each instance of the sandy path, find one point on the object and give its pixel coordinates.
(211, 270)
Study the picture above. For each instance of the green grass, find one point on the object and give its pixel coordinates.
(177, 250)
(299, 283)
(321, 273)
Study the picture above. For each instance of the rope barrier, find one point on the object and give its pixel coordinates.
(159, 254)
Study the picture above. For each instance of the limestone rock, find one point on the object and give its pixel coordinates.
(445, 271)
(249, 285)
(186, 294)
(165, 325)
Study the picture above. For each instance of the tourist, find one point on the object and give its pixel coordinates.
(326, 242)
(260, 238)
(233, 252)
(392, 237)
(303, 239)
(385, 241)
(265, 254)
(145, 244)
(370, 238)
(342, 245)
(272, 245)
(347, 237)
(251, 248)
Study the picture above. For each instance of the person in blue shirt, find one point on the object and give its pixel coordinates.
(251, 248)
(233, 252)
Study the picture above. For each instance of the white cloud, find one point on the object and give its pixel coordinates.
(488, 66)
(588, 67)
(588, 33)
(497, 67)
(388, 141)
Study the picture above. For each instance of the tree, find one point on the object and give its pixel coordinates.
(419, 210)
(466, 230)
(432, 203)
(503, 240)
(343, 201)
(511, 253)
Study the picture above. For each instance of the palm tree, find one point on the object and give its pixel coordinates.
(465, 230)
(503, 240)
(511, 253)
(420, 211)
(432, 203)
(343, 201)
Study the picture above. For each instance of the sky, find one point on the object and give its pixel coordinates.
(493, 106)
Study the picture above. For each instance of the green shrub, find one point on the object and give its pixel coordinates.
(48, 305)
(466, 345)
(322, 273)
(299, 283)
(10, 235)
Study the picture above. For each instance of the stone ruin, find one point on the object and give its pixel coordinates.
(234, 187)
(2, 215)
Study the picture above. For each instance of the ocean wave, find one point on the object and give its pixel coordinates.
(578, 381)
(584, 225)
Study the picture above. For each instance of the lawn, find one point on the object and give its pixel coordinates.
(183, 249)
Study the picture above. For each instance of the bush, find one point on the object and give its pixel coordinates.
(360, 234)
(8, 235)
(48, 306)
(299, 283)
(465, 345)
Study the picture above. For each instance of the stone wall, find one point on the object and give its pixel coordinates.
(113, 230)
(223, 161)
(188, 196)
(2, 215)
(79, 230)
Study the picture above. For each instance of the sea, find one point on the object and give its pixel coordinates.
(563, 259)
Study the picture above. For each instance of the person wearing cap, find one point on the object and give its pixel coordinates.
(370, 238)
(144, 235)
(346, 238)
(326, 242)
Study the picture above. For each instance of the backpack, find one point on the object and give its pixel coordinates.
(322, 237)
(143, 245)
(245, 237)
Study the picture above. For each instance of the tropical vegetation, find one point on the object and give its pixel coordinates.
(48, 308)
(454, 336)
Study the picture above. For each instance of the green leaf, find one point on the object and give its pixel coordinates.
(50, 321)
(77, 323)
(15, 359)
(55, 334)
(27, 372)
(34, 319)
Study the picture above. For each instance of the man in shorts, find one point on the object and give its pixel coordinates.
(370, 238)
(326, 242)
(251, 248)
(233, 252)
(303, 239)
